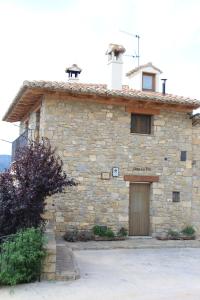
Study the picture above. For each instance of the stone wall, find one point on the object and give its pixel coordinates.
(92, 138)
(196, 178)
(49, 263)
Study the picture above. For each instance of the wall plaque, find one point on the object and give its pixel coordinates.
(144, 169)
(105, 175)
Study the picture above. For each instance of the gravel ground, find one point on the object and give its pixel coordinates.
(123, 274)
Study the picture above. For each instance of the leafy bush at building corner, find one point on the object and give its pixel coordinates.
(188, 230)
(36, 173)
(21, 257)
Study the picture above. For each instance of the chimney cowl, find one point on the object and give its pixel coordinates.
(115, 49)
(73, 72)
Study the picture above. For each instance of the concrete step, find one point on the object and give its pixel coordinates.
(66, 266)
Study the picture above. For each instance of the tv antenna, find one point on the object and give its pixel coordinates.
(138, 45)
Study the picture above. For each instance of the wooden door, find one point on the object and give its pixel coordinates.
(139, 209)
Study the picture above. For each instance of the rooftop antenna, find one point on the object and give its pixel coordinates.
(138, 44)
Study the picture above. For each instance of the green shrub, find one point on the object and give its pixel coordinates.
(99, 230)
(109, 233)
(103, 231)
(122, 232)
(21, 257)
(188, 230)
(173, 234)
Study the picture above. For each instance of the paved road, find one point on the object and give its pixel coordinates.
(138, 274)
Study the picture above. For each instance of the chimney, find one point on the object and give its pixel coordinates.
(115, 65)
(163, 86)
(73, 73)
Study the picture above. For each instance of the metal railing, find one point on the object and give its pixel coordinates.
(21, 141)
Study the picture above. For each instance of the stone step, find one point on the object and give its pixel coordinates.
(66, 266)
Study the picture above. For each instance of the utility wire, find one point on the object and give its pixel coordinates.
(2, 140)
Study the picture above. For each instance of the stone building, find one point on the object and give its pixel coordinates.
(134, 151)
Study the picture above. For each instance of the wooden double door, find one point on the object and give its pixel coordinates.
(139, 209)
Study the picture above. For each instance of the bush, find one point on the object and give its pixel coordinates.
(36, 174)
(173, 234)
(75, 235)
(109, 233)
(21, 257)
(85, 236)
(71, 235)
(188, 230)
(99, 230)
(122, 232)
(103, 231)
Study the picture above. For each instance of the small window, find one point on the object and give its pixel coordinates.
(183, 155)
(148, 82)
(140, 124)
(176, 196)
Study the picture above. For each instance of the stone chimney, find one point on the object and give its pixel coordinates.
(115, 65)
(73, 73)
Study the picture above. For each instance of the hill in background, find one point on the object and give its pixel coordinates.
(4, 161)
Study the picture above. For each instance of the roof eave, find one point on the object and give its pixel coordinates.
(39, 91)
(22, 90)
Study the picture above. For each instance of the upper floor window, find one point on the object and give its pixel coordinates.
(148, 82)
(140, 124)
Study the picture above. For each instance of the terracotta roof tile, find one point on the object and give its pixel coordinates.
(98, 89)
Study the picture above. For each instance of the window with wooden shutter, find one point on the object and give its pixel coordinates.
(140, 124)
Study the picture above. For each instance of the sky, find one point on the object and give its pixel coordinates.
(40, 38)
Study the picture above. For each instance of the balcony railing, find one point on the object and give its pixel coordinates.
(21, 141)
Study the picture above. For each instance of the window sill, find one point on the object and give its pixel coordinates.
(142, 134)
(148, 90)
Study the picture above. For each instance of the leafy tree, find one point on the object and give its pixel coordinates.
(35, 174)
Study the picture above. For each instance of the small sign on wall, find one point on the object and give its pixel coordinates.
(115, 171)
(105, 175)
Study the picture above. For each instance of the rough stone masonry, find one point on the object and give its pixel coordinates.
(93, 138)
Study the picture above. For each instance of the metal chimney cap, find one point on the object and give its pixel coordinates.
(73, 68)
(117, 49)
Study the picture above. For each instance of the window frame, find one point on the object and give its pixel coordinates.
(153, 81)
(183, 156)
(176, 196)
(137, 131)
